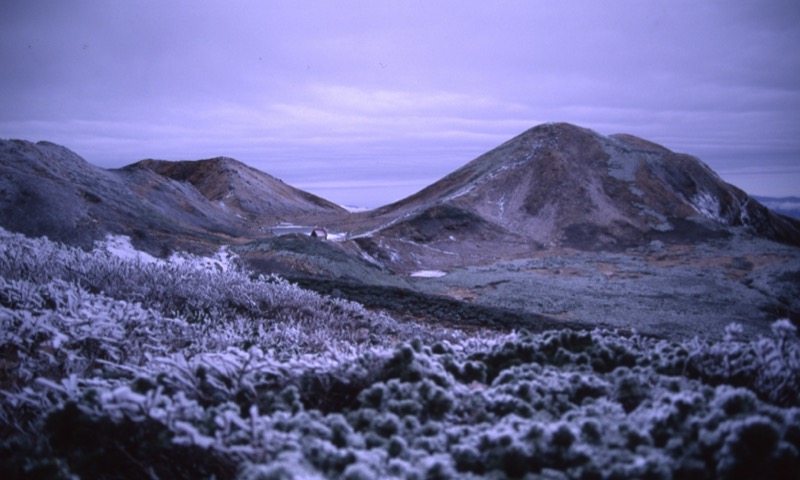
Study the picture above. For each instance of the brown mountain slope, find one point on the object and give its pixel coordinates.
(559, 185)
(242, 190)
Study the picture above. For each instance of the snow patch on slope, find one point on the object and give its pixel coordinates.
(708, 206)
(120, 246)
(428, 274)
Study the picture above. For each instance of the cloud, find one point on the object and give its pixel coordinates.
(388, 102)
(319, 91)
(355, 121)
(789, 205)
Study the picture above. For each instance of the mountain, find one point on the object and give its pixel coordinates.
(562, 186)
(242, 190)
(552, 187)
(46, 189)
(559, 222)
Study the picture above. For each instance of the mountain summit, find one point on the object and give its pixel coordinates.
(559, 185)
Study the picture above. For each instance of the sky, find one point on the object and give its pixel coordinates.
(366, 102)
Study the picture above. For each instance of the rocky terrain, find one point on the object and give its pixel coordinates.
(559, 223)
(676, 291)
(566, 306)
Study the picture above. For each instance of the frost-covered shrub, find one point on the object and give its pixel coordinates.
(768, 366)
(268, 381)
(224, 307)
(197, 402)
(629, 390)
(126, 448)
(54, 330)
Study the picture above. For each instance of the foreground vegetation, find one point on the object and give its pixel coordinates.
(115, 368)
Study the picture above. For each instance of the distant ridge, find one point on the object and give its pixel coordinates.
(46, 189)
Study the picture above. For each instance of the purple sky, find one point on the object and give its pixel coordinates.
(366, 102)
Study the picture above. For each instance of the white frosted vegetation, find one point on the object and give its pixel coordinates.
(115, 368)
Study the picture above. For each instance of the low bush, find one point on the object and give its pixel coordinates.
(255, 378)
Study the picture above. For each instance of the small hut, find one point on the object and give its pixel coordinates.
(319, 232)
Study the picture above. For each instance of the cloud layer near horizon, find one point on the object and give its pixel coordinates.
(365, 102)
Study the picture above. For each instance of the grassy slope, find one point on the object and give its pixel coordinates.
(119, 369)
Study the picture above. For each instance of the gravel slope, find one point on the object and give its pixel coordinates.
(671, 292)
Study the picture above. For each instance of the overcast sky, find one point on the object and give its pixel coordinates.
(367, 102)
